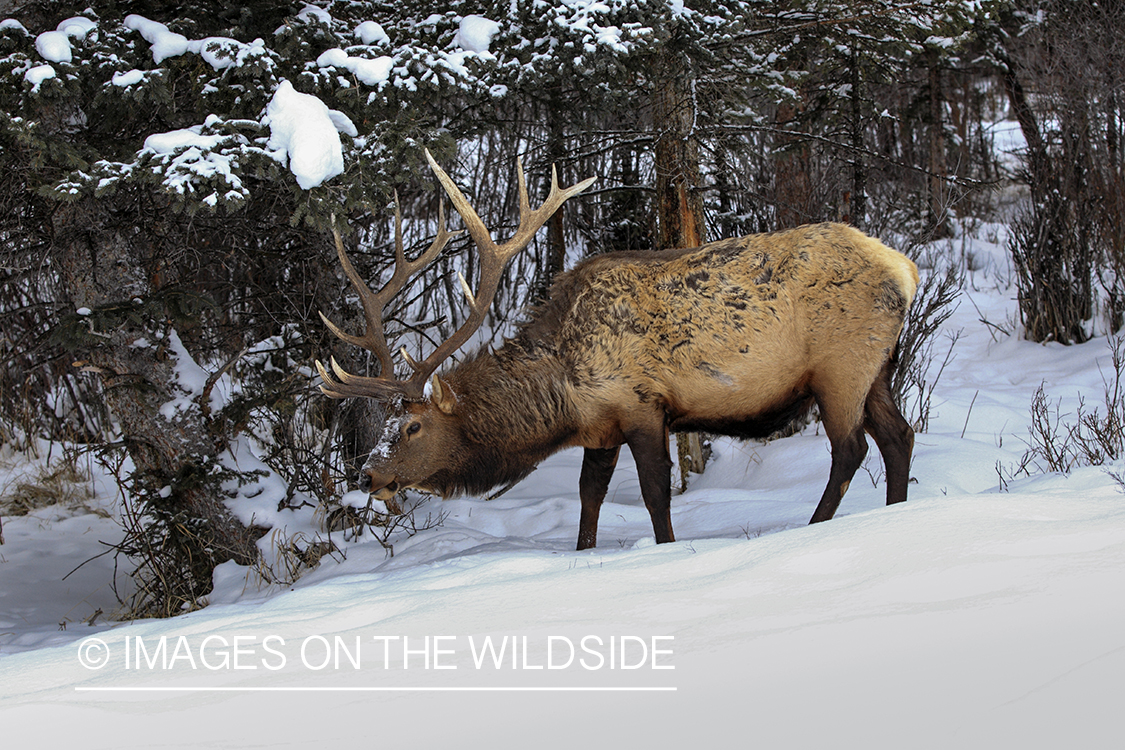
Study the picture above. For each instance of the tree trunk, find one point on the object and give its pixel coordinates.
(678, 200)
(939, 216)
(628, 215)
(556, 240)
(113, 273)
(724, 190)
(679, 205)
(792, 186)
(1038, 163)
(856, 212)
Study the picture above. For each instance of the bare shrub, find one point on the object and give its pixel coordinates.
(1053, 273)
(1060, 441)
(292, 556)
(398, 516)
(913, 381)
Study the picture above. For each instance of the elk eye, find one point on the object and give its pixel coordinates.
(413, 428)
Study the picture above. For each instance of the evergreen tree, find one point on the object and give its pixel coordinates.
(171, 205)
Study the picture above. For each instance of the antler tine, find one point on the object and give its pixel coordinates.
(473, 222)
(346, 385)
(493, 257)
(531, 221)
(521, 181)
(374, 338)
(409, 268)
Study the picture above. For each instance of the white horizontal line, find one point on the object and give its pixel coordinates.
(471, 689)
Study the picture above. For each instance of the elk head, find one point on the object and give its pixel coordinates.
(423, 441)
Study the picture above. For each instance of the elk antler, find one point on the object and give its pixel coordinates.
(374, 339)
(493, 258)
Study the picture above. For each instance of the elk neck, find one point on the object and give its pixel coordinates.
(515, 409)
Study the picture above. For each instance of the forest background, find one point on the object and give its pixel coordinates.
(140, 272)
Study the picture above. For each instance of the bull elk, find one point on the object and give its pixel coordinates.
(737, 337)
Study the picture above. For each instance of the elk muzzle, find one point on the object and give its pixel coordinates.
(382, 486)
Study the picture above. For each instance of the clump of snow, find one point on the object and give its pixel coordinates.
(610, 36)
(220, 52)
(173, 140)
(582, 17)
(343, 123)
(355, 499)
(372, 72)
(475, 33)
(303, 127)
(11, 23)
(370, 33)
(188, 158)
(37, 74)
(334, 58)
(165, 42)
(128, 78)
(310, 12)
(77, 27)
(54, 46)
(361, 500)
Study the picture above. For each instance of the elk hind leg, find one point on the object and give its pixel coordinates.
(892, 434)
(844, 427)
(597, 469)
(654, 469)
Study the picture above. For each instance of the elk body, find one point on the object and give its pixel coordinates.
(737, 337)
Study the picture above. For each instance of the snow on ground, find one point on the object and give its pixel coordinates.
(985, 612)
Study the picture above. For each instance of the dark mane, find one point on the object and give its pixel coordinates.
(522, 398)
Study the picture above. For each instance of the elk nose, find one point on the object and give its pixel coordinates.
(364, 480)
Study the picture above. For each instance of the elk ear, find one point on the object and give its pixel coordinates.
(442, 395)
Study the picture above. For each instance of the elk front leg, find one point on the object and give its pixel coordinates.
(843, 423)
(654, 469)
(597, 468)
